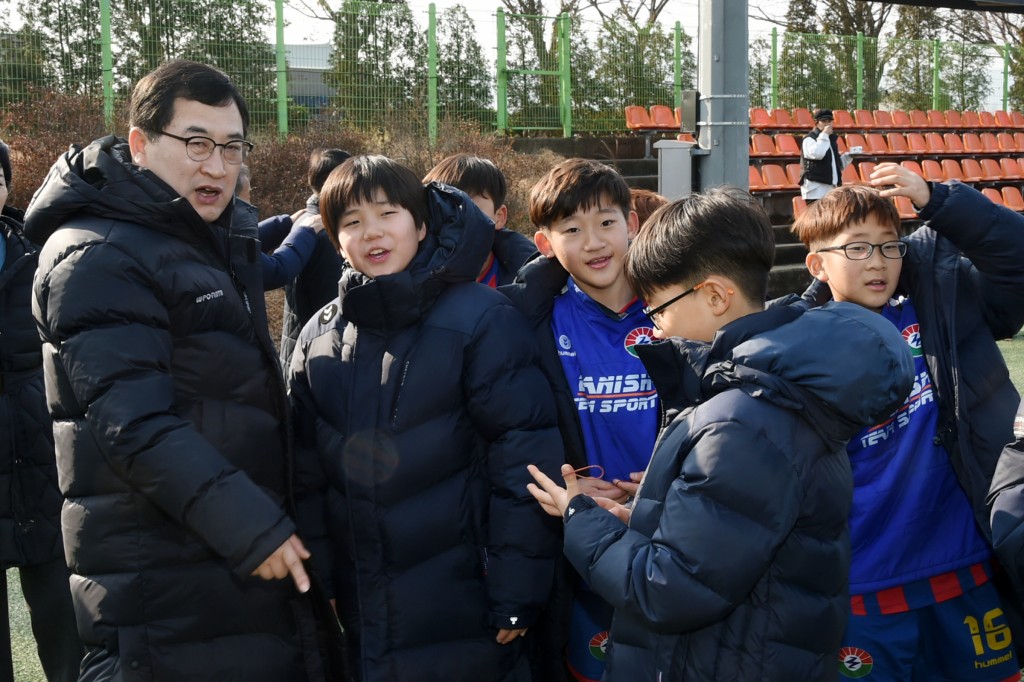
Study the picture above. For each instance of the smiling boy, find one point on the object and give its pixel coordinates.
(923, 601)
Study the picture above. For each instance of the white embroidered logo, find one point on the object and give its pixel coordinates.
(203, 298)
(513, 619)
(571, 511)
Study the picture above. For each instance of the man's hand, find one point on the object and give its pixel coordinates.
(505, 635)
(901, 182)
(286, 559)
(631, 486)
(596, 487)
(552, 498)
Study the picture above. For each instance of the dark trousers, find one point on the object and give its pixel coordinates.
(48, 596)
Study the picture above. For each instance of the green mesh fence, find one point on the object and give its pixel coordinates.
(384, 64)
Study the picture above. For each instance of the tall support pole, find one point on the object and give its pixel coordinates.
(936, 81)
(724, 117)
(775, 67)
(432, 75)
(565, 73)
(282, 73)
(1006, 77)
(677, 65)
(502, 76)
(860, 70)
(107, 61)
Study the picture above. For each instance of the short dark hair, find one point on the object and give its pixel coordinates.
(5, 163)
(722, 231)
(645, 203)
(151, 107)
(321, 163)
(840, 208)
(359, 178)
(573, 185)
(474, 175)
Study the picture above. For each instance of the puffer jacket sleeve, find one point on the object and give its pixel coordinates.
(991, 238)
(511, 404)
(99, 309)
(732, 504)
(1006, 498)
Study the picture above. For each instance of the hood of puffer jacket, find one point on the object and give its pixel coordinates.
(100, 180)
(459, 237)
(841, 366)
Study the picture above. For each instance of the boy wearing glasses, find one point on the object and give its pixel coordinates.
(731, 564)
(589, 322)
(169, 410)
(923, 601)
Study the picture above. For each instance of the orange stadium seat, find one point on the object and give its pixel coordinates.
(864, 119)
(842, 119)
(775, 177)
(993, 194)
(1019, 139)
(951, 169)
(793, 172)
(760, 118)
(905, 208)
(989, 143)
(786, 145)
(971, 170)
(969, 119)
(841, 144)
(762, 145)
(1006, 143)
(919, 119)
(1018, 119)
(1011, 169)
(799, 206)
(686, 137)
(954, 143)
(850, 176)
(936, 145)
(803, 118)
(662, 117)
(884, 119)
(916, 143)
(912, 166)
(897, 143)
(954, 119)
(990, 170)
(1003, 119)
(932, 171)
(1012, 198)
(875, 144)
(972, 143)
(937, 119)
(855, 140)
(754, 181)
(864, 168)
(901, 119)
(637, 118)
(782, 118)
(986, 119)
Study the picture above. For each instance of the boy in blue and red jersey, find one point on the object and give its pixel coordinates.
(924, 605)
(588, 319)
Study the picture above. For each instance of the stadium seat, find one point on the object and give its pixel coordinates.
(900, 119)
(915, 143)
(850, 176)
(905, 208)
(686, 137)
(760, 118)
(989, 143)
(1006, 142)
(863, 119)
(951, 169)
(1018, 119)
(855, 140)
(954, 143)
(953, 119)
(932, 170)
(1003, 119)
(762, 145)
(990, 170)
(637, 118)
(1012, 198)
(1019, 139)
(986, 119)
(971, 170)
(972, 143)
(775, 178)
(912, 166)
(786, 145)
(919, 119)
(841, 144)
(799, 207)
(803, 118)
(897, 144)
(677, 113)
(936, 145)
(793, 172)
(756, 184)
(1011, 169)
(875, 144)
(883, 119)
(663, 118)
(842, 119)
(782, 118)
(969, 119)
(993, 194)
(937, 119)
(864, 168)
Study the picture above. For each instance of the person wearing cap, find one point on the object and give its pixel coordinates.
(820, 161)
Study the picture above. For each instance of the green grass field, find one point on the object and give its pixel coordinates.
(26, 665)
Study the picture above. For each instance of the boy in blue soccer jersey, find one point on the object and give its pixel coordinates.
(588, 320)
(923, 600)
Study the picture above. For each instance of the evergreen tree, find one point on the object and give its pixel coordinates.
(463, 75)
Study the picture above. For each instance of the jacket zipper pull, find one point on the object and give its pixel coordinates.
(241, 290)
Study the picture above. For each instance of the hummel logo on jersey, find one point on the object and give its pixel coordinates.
(203, 298)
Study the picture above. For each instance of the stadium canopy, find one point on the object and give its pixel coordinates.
(980, 5)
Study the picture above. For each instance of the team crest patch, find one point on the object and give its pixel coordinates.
(599, 645)
(328, 313)
(638, 337)
(855, 663)
(912, 335)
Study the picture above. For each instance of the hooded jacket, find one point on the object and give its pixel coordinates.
(170, 425)
(734, 564)
(420, 395)
(30, 505)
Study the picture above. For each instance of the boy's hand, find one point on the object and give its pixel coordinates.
(632, 485)
(310, 220)
(596, 487)
(552, 498)
(619, 511)
(286, 559)
(902, 182)
(505, 636)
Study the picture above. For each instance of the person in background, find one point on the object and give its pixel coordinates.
(645, 202)
(30, 532)
(821, 164)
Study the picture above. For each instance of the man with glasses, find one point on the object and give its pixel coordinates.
(169, 409)
(926, 602)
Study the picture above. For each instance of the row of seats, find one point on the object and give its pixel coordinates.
(865, 119)
(773, 177)
(660, 118)
(879, 144)
(1009, 196)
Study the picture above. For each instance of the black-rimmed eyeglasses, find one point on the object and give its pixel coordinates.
(862, 250)
(653, 313)
(201, 148)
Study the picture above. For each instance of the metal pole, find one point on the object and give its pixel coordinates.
(565, 70)
(677, 66)
(282, 73)
(775, 67)
(502, 77)
(1006, 76)
(432, 75)
(936, 89)
(860, 70)
(107, 61)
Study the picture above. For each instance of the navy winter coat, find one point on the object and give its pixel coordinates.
(735, 561)
(29, 498)
(170, 426)
(420, 394)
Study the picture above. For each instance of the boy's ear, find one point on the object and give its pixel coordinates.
(137, 144)
(543, 244)
(500, 217)
(719, 293)
(816, 266)
(632, 224)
